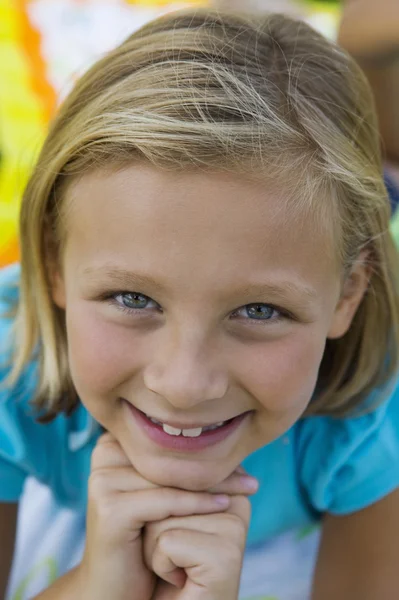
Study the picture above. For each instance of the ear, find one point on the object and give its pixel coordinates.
(353, 291)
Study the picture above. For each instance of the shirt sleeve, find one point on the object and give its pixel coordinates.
(349, 463)
(22, 443)
(56, 453)
(17, 453)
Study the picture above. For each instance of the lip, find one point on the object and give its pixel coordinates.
(181, 443)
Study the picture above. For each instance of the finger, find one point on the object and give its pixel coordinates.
(241, 508)
(231, 525)
(211, 524)
(215, 523)
(176, 549)
(129, 512)
(170, 573)
(105, 437)
(106, 481)
(108, 453)
(237, 483)
(166, 570)
(207, 560)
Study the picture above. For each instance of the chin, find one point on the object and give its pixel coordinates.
(186, 475)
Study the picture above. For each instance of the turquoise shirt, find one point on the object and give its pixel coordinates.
(321, 464)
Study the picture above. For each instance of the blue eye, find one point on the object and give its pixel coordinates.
(133, 301)
(259, 312)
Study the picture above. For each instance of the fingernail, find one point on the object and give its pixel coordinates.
(250, 483)
(222, 500)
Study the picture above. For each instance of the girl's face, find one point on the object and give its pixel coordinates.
(195, 299)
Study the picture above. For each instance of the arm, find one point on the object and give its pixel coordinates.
(358, 556)
(369, 31)
(64, 588)
(8, 520)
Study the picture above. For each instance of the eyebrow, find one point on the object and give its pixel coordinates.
(289, 290)
(122, 277)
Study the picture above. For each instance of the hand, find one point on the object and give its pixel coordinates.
(120, 503)
(199, 557)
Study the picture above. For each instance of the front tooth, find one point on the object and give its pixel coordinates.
(171, 430)
(192, 432)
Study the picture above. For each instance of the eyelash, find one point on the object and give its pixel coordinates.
(282, 314)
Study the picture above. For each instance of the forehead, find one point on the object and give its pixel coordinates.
(159, 219)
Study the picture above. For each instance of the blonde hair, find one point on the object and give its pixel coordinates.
(210, 90)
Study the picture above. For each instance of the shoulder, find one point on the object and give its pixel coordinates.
(349, 463)
(55, 453)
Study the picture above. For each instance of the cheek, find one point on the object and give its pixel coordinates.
(283, 375)
(101, 355)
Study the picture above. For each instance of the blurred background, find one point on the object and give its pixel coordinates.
(46, 44)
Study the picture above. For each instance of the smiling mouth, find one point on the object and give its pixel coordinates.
(186, 436)
(188, 432)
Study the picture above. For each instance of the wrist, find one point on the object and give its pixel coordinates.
(66, 587)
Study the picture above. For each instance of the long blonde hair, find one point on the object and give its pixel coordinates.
(208, 90)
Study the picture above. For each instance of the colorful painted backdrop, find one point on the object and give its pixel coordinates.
(44, 45)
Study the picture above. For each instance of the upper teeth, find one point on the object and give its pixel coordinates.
(186, 432)
(196, 432)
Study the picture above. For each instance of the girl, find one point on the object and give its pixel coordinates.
(207, 275)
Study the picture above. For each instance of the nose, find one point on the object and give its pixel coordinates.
(186, 374)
